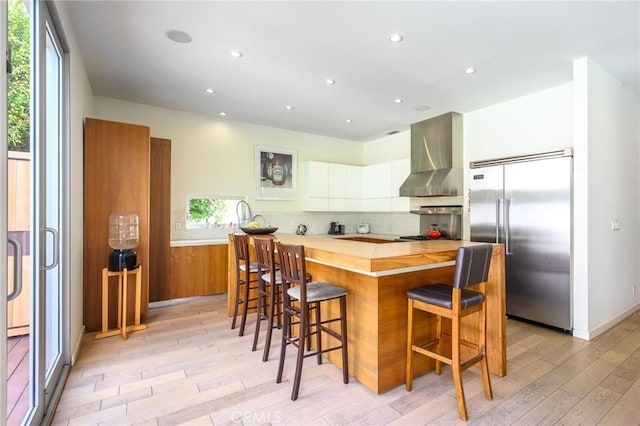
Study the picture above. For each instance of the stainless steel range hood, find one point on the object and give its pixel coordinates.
(436, 158)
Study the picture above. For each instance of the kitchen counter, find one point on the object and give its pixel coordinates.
(377, 277)
(203, 242)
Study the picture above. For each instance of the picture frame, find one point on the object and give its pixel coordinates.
(276, 173)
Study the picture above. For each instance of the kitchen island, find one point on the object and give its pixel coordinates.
(377, 277)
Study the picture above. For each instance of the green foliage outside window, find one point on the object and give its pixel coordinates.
(201, 209)
(19, 90)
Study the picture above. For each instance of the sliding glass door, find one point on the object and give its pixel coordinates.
(32, 221)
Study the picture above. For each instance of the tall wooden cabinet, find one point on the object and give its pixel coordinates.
(116, 180)
(160, 220)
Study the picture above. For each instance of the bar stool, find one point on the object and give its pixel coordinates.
(245, 284)
(307, 295)
(454, 302)
(269, 289)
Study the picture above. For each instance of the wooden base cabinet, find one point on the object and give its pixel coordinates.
(197, 271)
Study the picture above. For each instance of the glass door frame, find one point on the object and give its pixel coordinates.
(43, 390)
(48, 384)
(3, 209)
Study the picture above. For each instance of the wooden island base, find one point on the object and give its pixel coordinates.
(377, 277)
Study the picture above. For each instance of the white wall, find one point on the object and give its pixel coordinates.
(388, 148)
(81, 103)
(613, 194)
(537, 122)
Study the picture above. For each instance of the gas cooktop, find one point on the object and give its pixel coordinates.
(419, 238)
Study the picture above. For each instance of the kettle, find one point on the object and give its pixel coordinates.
(301, 229)
(363, 228)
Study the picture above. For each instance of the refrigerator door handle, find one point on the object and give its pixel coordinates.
(498, 202)
(507, 233)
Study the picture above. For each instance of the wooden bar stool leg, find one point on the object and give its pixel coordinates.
(455, 367)
(439, 346)
(484, 365)
(343, 334)
(318, 334)
(303, 332)
(409, 373)
(272, 313)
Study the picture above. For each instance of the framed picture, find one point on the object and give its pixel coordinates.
(276, 174)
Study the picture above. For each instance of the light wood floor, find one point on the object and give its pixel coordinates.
(190, 368)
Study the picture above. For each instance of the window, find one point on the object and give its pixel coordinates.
(212, 212)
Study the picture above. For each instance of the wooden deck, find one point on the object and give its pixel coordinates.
(17, 378)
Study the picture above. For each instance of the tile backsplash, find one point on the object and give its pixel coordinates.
(316, 222)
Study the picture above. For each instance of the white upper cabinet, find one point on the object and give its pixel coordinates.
(354, 182)
(316, 186)
(341, 187)
(337, 181)
(400, 170)
(317, 179)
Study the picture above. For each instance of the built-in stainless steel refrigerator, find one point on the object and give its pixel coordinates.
(525, 203)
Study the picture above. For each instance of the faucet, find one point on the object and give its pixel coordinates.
(244, 218)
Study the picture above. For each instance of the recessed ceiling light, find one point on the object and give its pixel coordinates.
(329, 81)
(395, 38)
(236, 54)
(421, 108)
(469, 70)
(179, 36)
(210, 91)
(348, 120)
(289, 107)
(222, 114)
(398, 100)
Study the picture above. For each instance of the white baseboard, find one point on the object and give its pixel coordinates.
(76, 350)
(595, 332)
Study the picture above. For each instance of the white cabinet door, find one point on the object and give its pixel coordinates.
(384, 180)
(368, 182)
(376, 181)
(337, 180)
(316, 186)
(400, 170)
(317, 179)
(354, 182)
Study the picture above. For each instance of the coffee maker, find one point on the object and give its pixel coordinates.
(334, 228)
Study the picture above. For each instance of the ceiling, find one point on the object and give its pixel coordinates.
(290, 48)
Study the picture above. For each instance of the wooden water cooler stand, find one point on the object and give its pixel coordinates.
(122, 328)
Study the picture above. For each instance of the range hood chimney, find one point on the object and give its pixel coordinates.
(436, 158)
